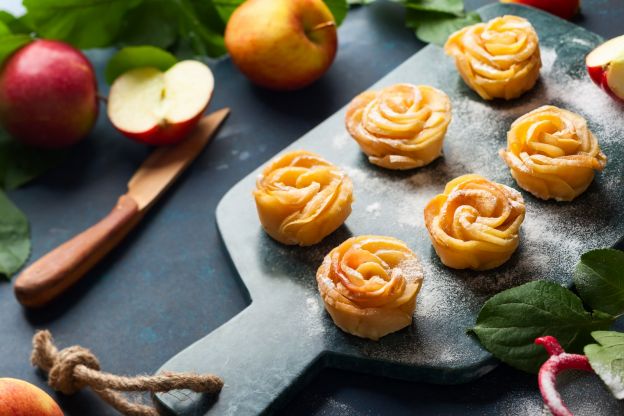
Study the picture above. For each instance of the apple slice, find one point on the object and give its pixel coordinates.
(605, 66)
(159, 108)
(615, 77)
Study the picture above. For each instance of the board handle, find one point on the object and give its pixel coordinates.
(62, 267)
(258, 354)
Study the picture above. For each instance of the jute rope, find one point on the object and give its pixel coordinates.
(74, 368)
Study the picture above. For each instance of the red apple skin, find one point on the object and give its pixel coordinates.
(48, 95)
(164, 135)
(566, 9)
(596, 73)
(608, 90)
(273, 44)
(19, 398)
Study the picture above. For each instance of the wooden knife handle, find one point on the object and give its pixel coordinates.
(53, 273)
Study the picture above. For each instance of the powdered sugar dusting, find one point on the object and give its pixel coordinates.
(313, 325)
(374, 208)
(339, 141)
(549, 56)
(610, 378)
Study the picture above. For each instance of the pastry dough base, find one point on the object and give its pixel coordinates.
(371, 323)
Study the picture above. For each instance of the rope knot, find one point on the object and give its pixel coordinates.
(62, 376)
(76, 367)
(61, 365)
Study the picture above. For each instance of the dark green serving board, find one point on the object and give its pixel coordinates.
(285, 336)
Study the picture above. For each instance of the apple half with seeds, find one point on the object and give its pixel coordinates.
(605, 66)
(160, 108)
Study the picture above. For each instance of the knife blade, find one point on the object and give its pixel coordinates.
(62, 267)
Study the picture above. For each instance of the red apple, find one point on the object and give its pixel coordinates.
(48, 95)
(605, 66)
(160, 108)
(566, 9)
(282, 44)
(19, 398)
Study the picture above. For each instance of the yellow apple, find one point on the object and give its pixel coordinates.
(19, 398)
(282, 44)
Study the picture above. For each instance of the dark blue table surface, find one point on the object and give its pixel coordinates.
(171, 281)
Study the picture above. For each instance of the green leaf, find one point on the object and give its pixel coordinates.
(83, 23)
(607, 360)
(225, 8)
(137, 57)
(434, 27)
(14, 237)
(338, 8)
(186, 27)
(443, 6)
(510, 321)
(11, 43)
(200, 27)
(15, 24)
(599, 279)
(4, 29)
(6, 17)
(20, 164)
(150, 23)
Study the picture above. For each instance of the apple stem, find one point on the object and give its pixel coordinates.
(323, 25)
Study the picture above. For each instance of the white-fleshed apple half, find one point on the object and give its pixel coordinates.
(160, 108)
(605, 66)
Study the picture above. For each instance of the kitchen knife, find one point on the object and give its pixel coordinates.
(62, 267)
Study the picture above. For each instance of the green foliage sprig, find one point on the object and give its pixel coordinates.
(433, 20)
(510, 321)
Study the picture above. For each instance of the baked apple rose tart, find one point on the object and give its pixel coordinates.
(400, 127)
(301, 198)
(552, 154)
(497, 59)
(474, 224)
(369, 285)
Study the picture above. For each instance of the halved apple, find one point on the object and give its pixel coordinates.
(605, 66)
(160, 108)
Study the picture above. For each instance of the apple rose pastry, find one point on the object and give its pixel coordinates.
(552, 154)
(497, 59)
(301, 198)
(400, 127)
(474, 224)
(369, 285)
